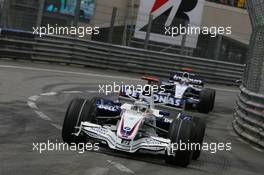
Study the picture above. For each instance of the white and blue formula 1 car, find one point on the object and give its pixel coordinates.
(134, 127)
(182, 90)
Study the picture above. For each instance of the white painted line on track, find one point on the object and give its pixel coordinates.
(67, 72)
(34, 98)
(71, 92)
(59, 127)
(120, 167)
(43, 116)
(92, 91)
(49, 94)
(32, 105)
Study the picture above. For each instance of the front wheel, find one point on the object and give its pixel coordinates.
(207, 100)
(180, 133)
(78, 111)
(198, 136)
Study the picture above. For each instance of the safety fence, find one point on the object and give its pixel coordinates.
(249, 116)
(25, 45)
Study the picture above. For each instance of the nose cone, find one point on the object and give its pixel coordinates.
(129, 125)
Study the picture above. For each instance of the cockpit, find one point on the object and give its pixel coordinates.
(141, 106)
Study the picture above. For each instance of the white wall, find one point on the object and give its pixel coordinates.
(222, 15)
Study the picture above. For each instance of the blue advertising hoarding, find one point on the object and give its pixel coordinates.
(67, 7)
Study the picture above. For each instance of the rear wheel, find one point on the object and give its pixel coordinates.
(206, 103)
(180, 133)
(78, 111)
(198, 136)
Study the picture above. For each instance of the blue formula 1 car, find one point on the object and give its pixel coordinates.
(133, 127)
(182, 90)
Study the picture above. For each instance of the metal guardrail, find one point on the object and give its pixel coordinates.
(249, 117)
(24, 45)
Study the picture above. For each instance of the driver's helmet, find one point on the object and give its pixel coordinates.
(185, 78)
(141, 106)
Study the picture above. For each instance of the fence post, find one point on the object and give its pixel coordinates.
(1, 14)
(124, 38)
(112, 25)
(132, 11)
(40, 13)
(77, 13)
(218, 47)
(148, 32)
(125, 42)
(183, 42)
(5, 14)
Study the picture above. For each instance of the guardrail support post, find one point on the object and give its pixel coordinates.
(148, 32)
(112, 25)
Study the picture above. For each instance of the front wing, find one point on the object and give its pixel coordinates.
(105, 134)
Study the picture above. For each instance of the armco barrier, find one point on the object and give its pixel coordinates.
(23, 45)
(249, 117)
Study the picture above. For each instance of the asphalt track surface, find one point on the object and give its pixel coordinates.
(33, 101)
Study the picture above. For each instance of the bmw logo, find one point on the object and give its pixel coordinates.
(127, 129)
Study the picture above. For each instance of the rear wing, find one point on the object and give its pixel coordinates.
(151, 80)
(194, 79)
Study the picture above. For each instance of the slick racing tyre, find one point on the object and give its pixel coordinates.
(78, 111)
(198, 136)
(180, 132)
(207, 98)
(213, 100)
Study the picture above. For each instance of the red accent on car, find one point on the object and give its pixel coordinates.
(150, 78)
(187, 69)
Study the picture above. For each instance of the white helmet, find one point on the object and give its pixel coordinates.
(141, 106)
